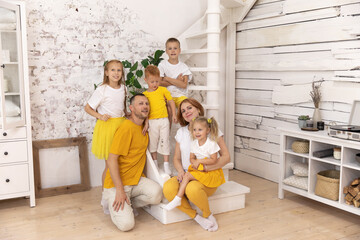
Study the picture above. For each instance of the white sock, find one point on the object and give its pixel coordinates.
(156, 163)
(167, 168)
(204, 222)
(213, 220)
(173, 204)
(105, 205)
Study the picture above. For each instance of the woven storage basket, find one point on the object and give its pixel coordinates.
(300, 146)
(327, 184)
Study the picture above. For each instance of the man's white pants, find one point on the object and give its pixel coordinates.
(144, 193)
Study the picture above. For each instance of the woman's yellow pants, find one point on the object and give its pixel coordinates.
(195, 192)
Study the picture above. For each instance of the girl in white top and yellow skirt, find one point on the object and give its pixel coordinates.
(108, 106)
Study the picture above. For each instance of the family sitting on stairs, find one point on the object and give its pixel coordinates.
(122, 139)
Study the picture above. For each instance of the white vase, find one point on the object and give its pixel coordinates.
(316, 116)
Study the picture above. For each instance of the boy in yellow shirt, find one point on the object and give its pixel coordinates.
(159, 125)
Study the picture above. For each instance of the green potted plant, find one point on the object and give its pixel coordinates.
(136, 71)
(302, 120)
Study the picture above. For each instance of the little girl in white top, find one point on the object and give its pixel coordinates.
(203, 150)
(108, 106)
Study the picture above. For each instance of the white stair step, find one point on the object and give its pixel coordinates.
(229, 197)
(210, 106)
(201, 34)
(199, 88)
(199, 51)
(204, 69)
(232, 3)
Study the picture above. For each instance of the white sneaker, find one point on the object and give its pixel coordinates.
(105, 206)
(167, 169)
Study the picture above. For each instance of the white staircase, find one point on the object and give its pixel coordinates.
(203, 38)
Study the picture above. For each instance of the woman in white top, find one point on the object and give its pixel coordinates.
(195, 192)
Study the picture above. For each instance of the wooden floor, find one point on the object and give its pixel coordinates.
(79, 216)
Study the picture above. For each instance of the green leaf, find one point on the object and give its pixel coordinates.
(105, 63)
(126, 64)
(95, 86)
(139, 73)
(129, 76)
(133, 93)
(137, 84)
(134, 67)
(127, 82)
(145, 62)
(158, 54)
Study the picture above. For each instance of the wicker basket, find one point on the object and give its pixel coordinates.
(327, 184)
(300, 146)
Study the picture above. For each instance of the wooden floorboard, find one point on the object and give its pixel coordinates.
(79, 216)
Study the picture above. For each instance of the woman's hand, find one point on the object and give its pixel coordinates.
(180, 176)
(120, 199)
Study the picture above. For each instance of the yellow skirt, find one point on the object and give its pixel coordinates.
(103, 135)
(209, 179)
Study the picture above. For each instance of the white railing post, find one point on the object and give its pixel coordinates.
(213, 58)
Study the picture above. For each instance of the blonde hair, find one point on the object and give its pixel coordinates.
(210, 123)
(152, 70)
(106, 78)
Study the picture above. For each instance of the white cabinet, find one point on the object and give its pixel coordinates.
(347, 165)
(16, 161)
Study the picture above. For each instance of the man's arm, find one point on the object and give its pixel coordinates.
(120, 197)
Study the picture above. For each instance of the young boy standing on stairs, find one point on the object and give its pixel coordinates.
(175, 75)
(159, 126)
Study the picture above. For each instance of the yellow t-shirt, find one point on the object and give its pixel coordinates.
(130, 144)
(157, 102)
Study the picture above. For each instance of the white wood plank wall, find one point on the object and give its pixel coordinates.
(282, 46)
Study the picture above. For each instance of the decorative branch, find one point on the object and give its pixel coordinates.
(316, 93)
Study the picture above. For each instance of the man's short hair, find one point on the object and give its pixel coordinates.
(172, 40)
(152, 70)
(132, 99)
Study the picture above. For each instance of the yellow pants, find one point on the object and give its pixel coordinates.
(195, 192)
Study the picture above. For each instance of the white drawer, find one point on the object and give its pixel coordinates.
(14, 179)
(11, 152)
(12, 133)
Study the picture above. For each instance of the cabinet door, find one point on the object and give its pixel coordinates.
(11, 67)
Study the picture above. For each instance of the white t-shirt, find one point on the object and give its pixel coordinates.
(173, 71)
(108, 100)
(205, 150)
(183, 137)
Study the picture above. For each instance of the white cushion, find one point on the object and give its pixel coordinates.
(300, 169)
(12, 110)
(296, 181)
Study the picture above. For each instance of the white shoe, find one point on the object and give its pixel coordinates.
(105, 206)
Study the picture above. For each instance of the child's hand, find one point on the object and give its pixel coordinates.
(174, 119)
(180, 77)
(146, 127)
(105, 117)
(195, 164)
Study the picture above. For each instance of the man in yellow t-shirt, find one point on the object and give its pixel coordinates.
(159, 125)
(125, 185)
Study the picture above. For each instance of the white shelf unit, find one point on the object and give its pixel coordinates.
(349, 168)
(16, 159)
